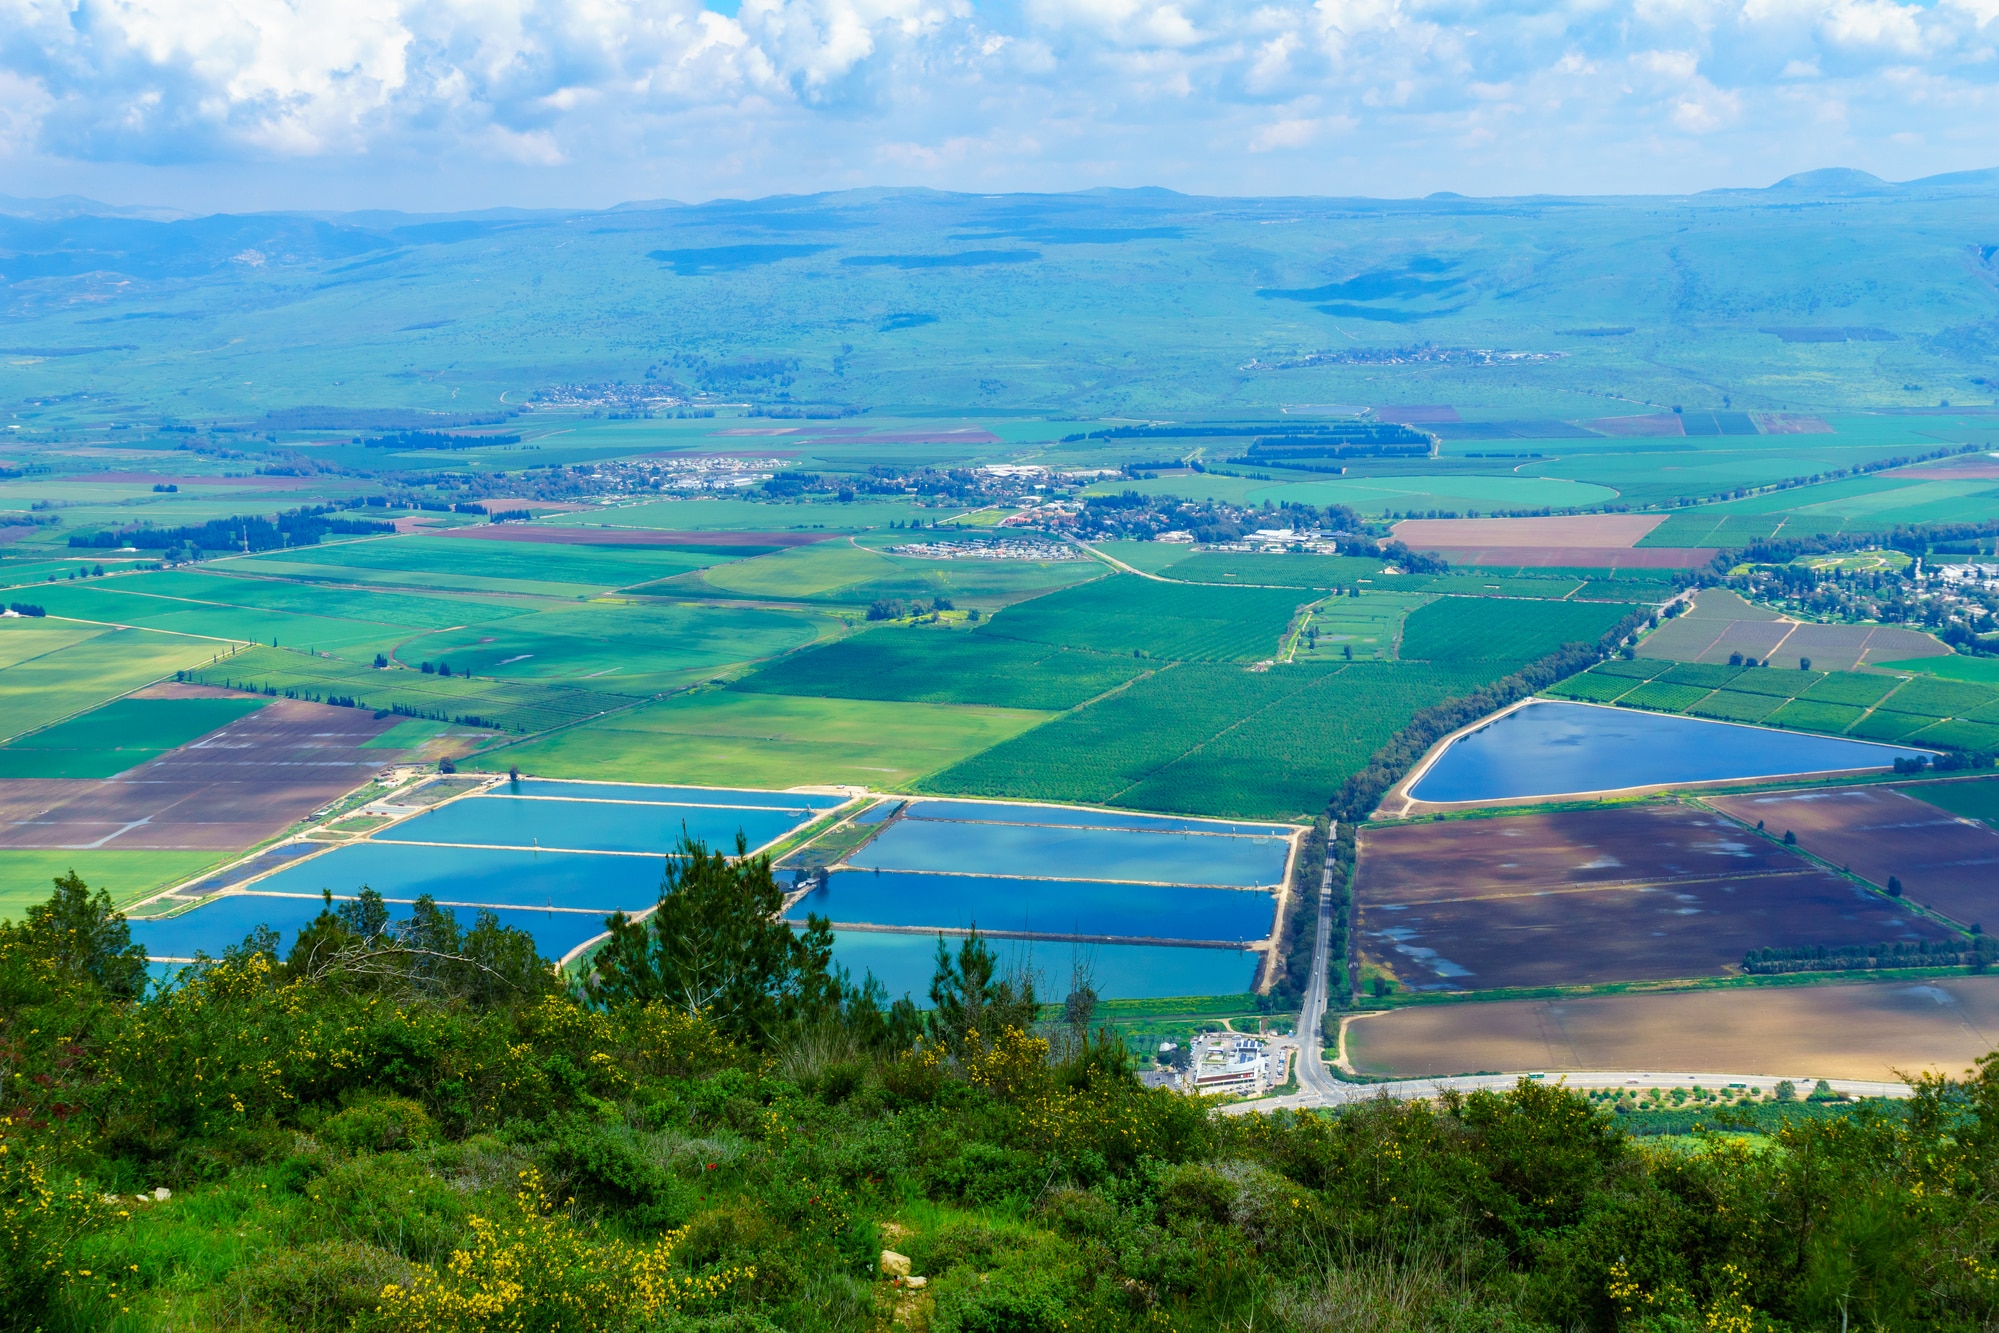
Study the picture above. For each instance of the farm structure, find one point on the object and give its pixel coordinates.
(1721, 623)
(227, 790)
(1580, 541)
(1873, 1030)
(1649, 892)
(1947, 863)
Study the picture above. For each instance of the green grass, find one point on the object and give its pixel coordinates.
(1125, 614)
(121, 734)
(1884, 726)
(1487, 494)
(102, 603)
(507, 705)
(730, 738)
(1152, 557)
(1850, 687)
(25, 873)
(1502, 585)
(855, 575)
(1469, 629)
(1778, 681)
(1636, 668)
(1591, 687)
(54, 673)
(1213, 739)
(1977, 670)
(1370, 624)
(934, 664)
(630, 649)
(1958, 734)
(1976, 799)
(1698, 673)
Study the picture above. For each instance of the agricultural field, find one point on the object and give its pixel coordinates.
(1145, 618)
(1478, 629)
(1876, 1031)
(848, 573)
(1974, 798)
(1940, 860)
(1651, 892)
(516, 706)
(1721, 623)
(1213, 739)
(120, 735)
(942, 664)
(1365, 625)
(454, 564)
(1913, 710)
(721, 737)
(49, 671)
(26, 872)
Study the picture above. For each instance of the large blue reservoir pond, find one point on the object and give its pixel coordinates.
(1047, 906)
(904, 965)
(1554, 749)
(554, 859)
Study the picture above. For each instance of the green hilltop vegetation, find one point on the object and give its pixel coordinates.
(407, 1124)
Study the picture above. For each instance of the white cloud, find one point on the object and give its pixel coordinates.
(1410, 95)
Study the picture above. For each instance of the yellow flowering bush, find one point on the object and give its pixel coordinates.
(539, 1271)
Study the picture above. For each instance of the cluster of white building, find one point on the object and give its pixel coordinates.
(1229, 1064)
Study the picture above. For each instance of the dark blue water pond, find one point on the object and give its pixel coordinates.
(1087, 853)
(222, 922)
(904, 965)
(483, 875)
(1003, 813)
(1054, 906)
(595, 826)
(624, 791)
(1554, 749)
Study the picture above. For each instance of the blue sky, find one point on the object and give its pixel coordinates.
(441, 104)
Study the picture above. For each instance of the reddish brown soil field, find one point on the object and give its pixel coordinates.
(1577, 557)
(1660, 423)
(1639, 893)
(1948, 864)
(228, 790)
(1977, 467)
(1879, 1030)
(1593, 531)
(525, 532)
(1791, 423)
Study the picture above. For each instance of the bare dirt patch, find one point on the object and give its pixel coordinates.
(1872, 1031)
(1638, 893)
(1791, 423)
(523, 532)
(1588, 531)
(1948, 864)
(1722, 623)
(1577, 557)
(229, 790)
(1657, 423)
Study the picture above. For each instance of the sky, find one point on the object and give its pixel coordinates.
(441, 105)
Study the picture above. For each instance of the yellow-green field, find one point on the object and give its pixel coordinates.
(25, 874)
(49, 671)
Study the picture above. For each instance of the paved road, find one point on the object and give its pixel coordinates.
(1315, 1081)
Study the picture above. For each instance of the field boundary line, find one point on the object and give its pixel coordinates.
(1057, 937)
(1202, 744)
(177, 633)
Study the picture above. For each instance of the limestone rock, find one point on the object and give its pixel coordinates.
(894, 1265)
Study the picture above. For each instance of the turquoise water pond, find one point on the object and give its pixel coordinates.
(598, 826)
(497, 877)
(222, 922)
(1006, 813)
(1554, 749)
(904, 965)
(1076, 853)
(1054, 906)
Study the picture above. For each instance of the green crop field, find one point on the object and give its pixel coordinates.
(121, 734)
(25, 873)
(1213, 739)
(344, 603)
(847, 574)
(105, 605)
(518, 706)
(630, 649)
(1979, 670)
(499, 565)
(936, 664)
(1467, 629)
(1126, 614)
(729, 738)
(54, 673)
(1974, 799)
(1283, 571)
(721, 515)
(1148, 557)
(1865, 705)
